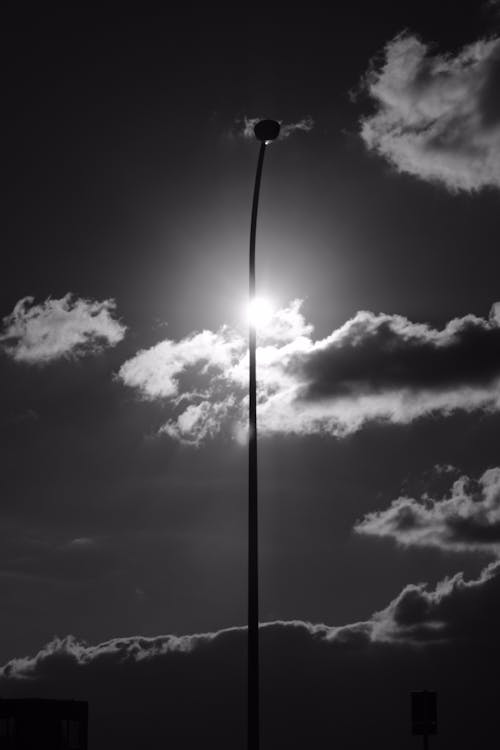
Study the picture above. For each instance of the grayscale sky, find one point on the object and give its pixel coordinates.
(129, 167)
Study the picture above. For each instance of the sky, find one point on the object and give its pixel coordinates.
(128, 166)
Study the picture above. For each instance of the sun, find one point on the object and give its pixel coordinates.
(259, 312)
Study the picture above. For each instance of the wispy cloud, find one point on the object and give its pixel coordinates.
(246, 125)
(306, 125)
(467, 519)
(437, 116)
(376, 367)
(33, 555)
(56, 328)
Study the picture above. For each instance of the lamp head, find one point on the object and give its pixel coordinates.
(267, 130)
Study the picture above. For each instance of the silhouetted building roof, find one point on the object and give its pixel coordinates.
(41, 724)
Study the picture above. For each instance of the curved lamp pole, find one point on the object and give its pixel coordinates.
(265, 131)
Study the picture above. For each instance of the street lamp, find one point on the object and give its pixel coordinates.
(265, 131)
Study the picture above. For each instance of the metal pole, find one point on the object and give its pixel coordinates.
(253, 715)
(265, 131)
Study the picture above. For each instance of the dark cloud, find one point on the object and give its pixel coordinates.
(374, 353)
(451, 613)
(319, 684)
(492, 6)
(489, 101)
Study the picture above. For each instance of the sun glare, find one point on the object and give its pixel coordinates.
(259, 312)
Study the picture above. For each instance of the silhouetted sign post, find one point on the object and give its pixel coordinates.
(424, 715)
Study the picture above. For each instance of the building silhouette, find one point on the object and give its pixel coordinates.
(42, 724)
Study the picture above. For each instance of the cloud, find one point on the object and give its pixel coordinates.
(450, 613)
(467, 519)
(437, 116)
(201, 421)
(306, 125)
(156, 371)
(246, 126)
(384, 352)
(376, 367)
(204, 376)
(32, 555)
(418, 615)
(492, 5)
(56, 328)
(317, 680)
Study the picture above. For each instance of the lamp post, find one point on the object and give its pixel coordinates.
(265, 131)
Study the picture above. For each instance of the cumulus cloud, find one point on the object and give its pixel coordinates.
(156, 371)
(247, 124)
(204, 376)
(437, 116)
(385, 352)
(451, 613)
(466, 519)
(376, 367)
(56, 328)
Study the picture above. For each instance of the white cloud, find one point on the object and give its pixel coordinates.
(246, 126)
(200, 421)
(437, 116)
(373, 368)
(218, 363)
(468, 519)
(306, 125)
(156, 371)
(39, 334)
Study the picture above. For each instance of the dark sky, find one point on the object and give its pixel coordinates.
(127, 188)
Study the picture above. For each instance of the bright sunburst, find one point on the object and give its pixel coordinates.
(259, 312)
